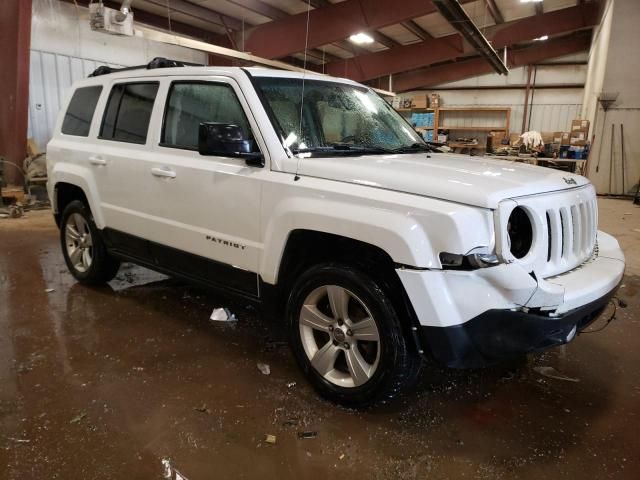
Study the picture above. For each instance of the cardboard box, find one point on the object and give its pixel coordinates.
(547, 137)
(580, 126)
(557, 137)
(419, 101)
(434, 100)
(565, 139)
(32, 148)
(578, 135)
(576, 142)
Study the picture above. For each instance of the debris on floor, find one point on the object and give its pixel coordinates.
(78, 418)
(202, 409)
(291, 384)
(264, 368)
(16, 211)
(169, 470)
(309, 434)
(222, 315)
(18, 440)
(12, 211)
(268, 438)
(551, 372)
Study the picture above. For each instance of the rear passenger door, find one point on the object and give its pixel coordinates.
(204, 208)
(119, 152)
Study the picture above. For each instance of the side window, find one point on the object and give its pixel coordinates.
(126, 118)
(77, 119)
(190, 103)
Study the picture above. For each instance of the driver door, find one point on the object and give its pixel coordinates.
(202, 212)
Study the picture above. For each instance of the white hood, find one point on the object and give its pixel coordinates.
(459, 178)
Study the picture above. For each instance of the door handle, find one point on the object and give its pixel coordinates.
(97, 160)
(163, 172)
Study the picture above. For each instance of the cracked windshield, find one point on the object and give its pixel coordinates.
(336, 118)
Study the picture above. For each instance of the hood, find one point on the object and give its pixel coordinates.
(458, 178)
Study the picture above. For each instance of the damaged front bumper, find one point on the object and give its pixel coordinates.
(474, 318)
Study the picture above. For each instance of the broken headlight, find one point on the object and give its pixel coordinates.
(472, 260)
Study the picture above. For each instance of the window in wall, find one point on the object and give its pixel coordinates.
(126, 118)
(77, 119)
(191, 103)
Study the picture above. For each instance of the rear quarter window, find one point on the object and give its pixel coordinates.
(77, 119)
(126, 117)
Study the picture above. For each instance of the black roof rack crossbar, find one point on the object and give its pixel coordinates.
(158, 62)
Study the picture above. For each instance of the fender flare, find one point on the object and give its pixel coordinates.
(400, 236)
(79, 177)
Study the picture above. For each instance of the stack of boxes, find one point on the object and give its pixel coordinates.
(424, 121)
(575, 143)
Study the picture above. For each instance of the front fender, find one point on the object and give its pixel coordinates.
(411, 230)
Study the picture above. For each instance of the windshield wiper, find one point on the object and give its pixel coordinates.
(415, 147)
(343, 149)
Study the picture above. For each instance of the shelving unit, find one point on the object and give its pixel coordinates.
(423, 110)
(475, 110)
(441, 114)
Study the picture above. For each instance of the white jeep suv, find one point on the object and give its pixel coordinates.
(312, 196)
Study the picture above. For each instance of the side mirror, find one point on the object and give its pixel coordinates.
(226, 140)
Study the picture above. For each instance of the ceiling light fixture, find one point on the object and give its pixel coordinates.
(542, 38)
(361, 38)
(530, 1)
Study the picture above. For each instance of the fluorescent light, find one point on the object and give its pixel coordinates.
(361, 38)
(541, 39)
(530, 1)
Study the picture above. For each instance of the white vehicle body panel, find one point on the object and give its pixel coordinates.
(412, 206)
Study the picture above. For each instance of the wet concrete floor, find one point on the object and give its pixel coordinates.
(108, 383)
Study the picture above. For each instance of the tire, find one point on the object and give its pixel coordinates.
(358, 362)
(83, 249)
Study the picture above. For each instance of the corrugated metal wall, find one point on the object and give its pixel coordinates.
(51, 76)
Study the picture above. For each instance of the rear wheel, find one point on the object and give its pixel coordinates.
(83, 248)
(347, 337)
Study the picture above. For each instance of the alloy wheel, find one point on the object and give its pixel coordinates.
(79, 242)
(340, 336)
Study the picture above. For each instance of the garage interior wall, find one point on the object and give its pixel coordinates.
(65, 49)
(550, 109)
(615, 68)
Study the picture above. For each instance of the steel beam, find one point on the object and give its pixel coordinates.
(459, 19)
(402, 59)
(427, 77)
(551, 23)
(539, 8)
(494, 11)
(15, 38)
(331, 23)
(159, 21)
(417, 30)
(199, 12)
(372, 65)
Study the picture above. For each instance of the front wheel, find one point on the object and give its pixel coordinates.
(84, 251)
(346, 336)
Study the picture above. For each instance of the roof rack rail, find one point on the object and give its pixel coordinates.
(158, 62)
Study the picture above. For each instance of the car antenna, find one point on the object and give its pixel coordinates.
(304, 74)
